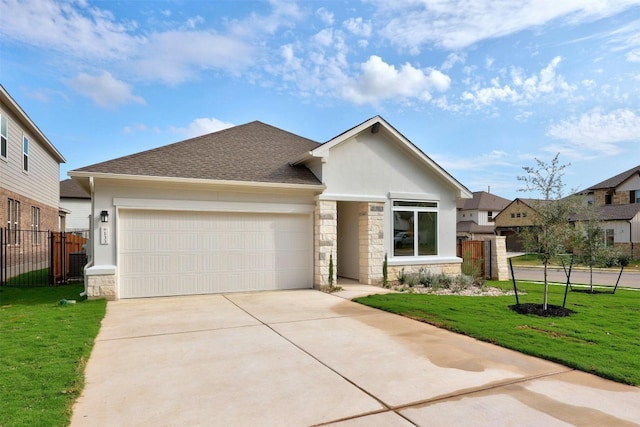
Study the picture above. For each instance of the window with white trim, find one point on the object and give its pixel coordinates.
(4, 134)
(609, 238)
(13, 221)
(25, 153)
(35, 225)
(415, 228)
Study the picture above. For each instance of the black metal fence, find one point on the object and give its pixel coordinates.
(40, 258)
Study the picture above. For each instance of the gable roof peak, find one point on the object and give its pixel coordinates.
(616, 180)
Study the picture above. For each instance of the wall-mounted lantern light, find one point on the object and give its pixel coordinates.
(104, 216)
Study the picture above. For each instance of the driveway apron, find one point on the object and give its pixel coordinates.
(303, 358)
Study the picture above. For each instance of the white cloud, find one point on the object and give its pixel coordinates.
(284, 13)
(627, 38)
(77, 32)
(598, 132)
(380, 81)
(177, 56)
(633, 56)
(66, 26)
(194, 22)
(457, 24)
(325, 16)
(358, 26)
(476, 162)
(521, 88)
(104, 89)
(453, 59)
(202, 126)
(137, 127)
(324, 37)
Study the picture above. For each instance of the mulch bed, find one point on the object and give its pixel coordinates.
(537, 309)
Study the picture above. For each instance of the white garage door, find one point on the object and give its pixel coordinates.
(180, 253)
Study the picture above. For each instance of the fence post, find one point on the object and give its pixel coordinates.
(51, 259)
(3, 260)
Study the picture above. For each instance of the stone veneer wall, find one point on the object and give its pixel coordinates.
(101, 286)
(450, 269)
(371, 245)
(628, 249)
(325, 242)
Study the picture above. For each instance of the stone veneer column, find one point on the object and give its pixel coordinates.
(499, 267)
(371, 236)
(325, 242)
(101, 282)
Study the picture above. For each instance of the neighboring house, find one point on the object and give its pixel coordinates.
(621, 224)
(77, 202)
(29, 176)
(476, 215)
(254, 207)
(617, 203)
(622, 189)
(516, 216)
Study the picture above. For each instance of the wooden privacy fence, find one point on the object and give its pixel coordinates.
(67, 256)
(36, 258)
(473, 257)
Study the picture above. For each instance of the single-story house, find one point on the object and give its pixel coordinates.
(254, 207)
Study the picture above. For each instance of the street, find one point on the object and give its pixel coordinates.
(629, 279)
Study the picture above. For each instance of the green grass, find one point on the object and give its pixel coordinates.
(43, 350)
(35, 277)
(602, 337)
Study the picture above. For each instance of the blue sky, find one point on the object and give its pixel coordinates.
(481, 86)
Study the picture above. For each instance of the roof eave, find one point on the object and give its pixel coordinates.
(167, 179)
(462, 191)
(18, 111)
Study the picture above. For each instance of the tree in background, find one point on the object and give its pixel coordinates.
(551, 232)
(590, 241)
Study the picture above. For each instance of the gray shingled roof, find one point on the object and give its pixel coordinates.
(615, 181)
(614, 212)
(69, 189)
(483, 201)
(473, 227)
(253, 152)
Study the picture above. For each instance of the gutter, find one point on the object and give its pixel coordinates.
(221, 182)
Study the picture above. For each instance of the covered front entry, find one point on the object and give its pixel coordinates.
(164, 253)
(348, 240)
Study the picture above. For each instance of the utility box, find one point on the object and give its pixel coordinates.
(77, 261)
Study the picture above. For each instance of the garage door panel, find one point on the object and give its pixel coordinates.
(178, 253)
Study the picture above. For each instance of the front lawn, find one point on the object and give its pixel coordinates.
(602, 337)
(44, 346)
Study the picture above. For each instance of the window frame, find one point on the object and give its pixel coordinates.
(35, 225)
(25, 153)
(609, 237)
(416, 210)
(13, 222)
(4, 137)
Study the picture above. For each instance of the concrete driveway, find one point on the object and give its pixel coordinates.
(302, 358)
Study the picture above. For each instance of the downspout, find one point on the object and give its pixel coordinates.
(91, 238)
(631, 236)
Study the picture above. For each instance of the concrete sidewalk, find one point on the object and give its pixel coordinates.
(302, 358)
